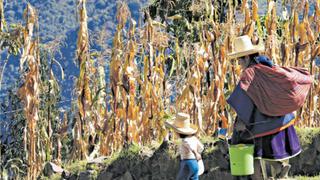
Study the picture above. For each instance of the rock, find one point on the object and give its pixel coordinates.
(96, 164)
(119, 167)
(146, 153)
(217, 175)
(126, 176)
(317, 143)
(66, 174)
(317, 165)
(217, 160)
(73, 177)
(222, 146)
(163, 163)
(164, 145)
(98, 160)
(51, 168)
(147, 177)
(310, 170)
(105, 175)
(309, 156)
(139, 170)
(86, 175)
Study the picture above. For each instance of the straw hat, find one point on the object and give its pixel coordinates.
(181, 124)
(243, 46)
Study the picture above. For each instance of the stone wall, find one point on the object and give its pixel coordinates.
(308, 162)
(163, 163)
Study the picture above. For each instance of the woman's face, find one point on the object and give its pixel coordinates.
(244, 61)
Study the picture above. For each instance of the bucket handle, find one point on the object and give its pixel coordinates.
(251, 134)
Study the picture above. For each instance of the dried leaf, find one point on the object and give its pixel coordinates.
(255, 15)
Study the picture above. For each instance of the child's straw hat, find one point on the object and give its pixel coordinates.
(181, 124)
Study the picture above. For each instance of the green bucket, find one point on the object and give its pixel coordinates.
(241, 159)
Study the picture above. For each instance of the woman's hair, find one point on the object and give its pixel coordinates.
(252, 56)
(182, 135)
(252, 59)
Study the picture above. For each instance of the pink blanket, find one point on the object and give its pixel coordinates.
(278, 90)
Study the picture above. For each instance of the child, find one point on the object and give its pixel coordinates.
(189, 149)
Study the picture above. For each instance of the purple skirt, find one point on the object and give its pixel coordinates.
(278, 146)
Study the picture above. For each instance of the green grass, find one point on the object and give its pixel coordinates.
(208, 139)
(306, 135)
(128, 153)
(131, 152)
(306, 178)
(76, 167)
(111, 159)
(153, 145)
(53, 177)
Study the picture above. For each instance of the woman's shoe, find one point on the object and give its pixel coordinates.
(284, 171)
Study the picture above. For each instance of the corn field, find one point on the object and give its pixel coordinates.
(201, 75)
(155, 74)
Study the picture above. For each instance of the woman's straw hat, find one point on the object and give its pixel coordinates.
(181, 124)
(243, 46)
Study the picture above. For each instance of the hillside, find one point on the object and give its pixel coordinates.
(127, 72)
(58, 21)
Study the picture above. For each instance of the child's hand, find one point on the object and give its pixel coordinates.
(198, 156)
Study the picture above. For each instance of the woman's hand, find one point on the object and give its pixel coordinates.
(240, 126)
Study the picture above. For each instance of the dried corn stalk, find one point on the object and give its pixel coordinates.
(29, 94)
(255, 15)
(2, 20)
(153, 38)
(271, 43)
(86, 127)
(203, 74)
(114, 129)
(129, 88)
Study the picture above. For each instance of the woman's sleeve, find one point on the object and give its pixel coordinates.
(242, 104)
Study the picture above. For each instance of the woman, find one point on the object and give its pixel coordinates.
(189, 149)
(264, 100)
